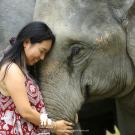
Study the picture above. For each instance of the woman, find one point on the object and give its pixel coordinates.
(22, 111)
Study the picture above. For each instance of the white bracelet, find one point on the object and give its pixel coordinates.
(43, 119)
(49, 121)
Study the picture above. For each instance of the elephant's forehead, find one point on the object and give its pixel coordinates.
(76, 18)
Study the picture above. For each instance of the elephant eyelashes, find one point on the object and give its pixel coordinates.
(75, 51)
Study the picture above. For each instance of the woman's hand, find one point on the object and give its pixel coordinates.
(63, 127)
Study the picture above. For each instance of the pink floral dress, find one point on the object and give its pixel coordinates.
(11, 122)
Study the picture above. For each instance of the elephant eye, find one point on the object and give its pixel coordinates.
(76, 54)
(75, 50)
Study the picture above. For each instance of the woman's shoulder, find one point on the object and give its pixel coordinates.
(9, 72)
(10, 69)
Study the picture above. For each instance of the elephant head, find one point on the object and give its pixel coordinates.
(90, 60)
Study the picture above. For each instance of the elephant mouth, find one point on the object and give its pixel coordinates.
(85, 90)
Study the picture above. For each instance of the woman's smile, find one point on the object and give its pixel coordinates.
(36, 52)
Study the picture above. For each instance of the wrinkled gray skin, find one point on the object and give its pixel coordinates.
(93, 57)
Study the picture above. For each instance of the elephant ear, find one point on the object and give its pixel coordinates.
(124, 12)
(119, 9)
(131, 33)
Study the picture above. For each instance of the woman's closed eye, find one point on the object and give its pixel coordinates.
(42, 51)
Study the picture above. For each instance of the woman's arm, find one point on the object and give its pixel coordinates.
(15, 85)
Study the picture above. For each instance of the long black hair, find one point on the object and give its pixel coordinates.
(36, 32)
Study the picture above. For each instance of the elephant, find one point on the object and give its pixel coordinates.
(93, 57)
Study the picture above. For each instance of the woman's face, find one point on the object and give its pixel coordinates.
(36, 52)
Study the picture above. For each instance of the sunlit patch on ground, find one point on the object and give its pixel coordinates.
(116, 132)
